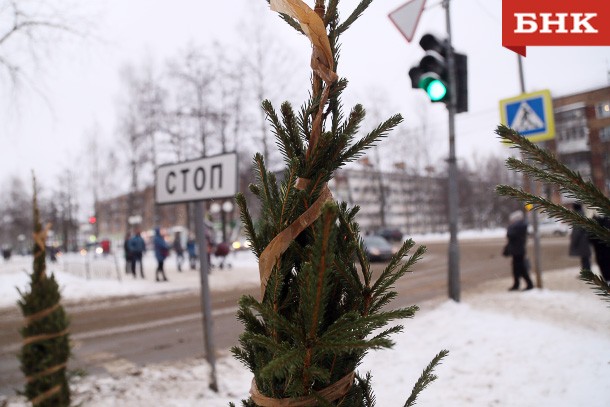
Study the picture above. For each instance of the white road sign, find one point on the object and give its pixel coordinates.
(197, 180)
(406, 17)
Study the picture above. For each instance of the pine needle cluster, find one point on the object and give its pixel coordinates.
(322, 309)
(46, 346)
(541, 165)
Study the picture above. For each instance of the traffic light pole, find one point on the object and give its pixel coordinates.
(454, 250)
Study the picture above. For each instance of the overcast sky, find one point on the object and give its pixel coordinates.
(81, 84)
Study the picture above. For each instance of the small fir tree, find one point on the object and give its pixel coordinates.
(543, 166)
(45, 351)
(321, 310)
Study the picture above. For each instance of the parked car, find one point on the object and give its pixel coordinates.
(549, 227)
(390, 234)
(377, 248)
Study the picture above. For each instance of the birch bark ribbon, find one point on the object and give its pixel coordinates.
(270, 256)
(322, 62)
(331, 393)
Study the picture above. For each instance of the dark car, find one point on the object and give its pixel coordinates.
(392, 235)
(377, 248)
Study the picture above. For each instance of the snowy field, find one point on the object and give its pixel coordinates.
(547, 347)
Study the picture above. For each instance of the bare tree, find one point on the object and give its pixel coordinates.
(270, 69)
(66, 198)
(142, 119)
(193, 76)
(15, 218)
(30, 30)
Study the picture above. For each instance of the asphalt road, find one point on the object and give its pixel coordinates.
(118, 335)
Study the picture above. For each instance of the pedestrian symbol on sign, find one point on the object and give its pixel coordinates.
(526, 119)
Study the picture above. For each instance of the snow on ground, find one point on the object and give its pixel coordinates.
(547, 347)
(71, 273)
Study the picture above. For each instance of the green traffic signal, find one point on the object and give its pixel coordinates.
(436, 90)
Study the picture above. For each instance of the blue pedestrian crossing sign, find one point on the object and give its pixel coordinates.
(531, 114)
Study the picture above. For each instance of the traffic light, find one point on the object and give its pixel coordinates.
(92, 220)
(432, 73)
(461, 82)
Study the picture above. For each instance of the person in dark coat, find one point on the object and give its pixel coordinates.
(579, 242)
(127, 254)
(179, 250)
(517, 239)
(601, 249)
(161, 253)
(136, 247)
(192, 251)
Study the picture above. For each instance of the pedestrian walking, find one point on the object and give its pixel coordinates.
(137, 247)
(127, 254)
(579, 241)
(191, 248)
(179, 250)
(601, 249)
(161, 253)
(516, 233)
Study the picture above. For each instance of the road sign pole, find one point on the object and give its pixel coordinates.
(195, 181)
(537, 267)
(206, 305)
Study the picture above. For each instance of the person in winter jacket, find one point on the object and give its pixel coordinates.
(517, 239)
(192, 251)
(136, 248)
(179, 250)
(601, 248)
(579, 242)
(161, 253)
(127, 253)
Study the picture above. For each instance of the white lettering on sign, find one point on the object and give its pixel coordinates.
(552, 23)
(197, 180)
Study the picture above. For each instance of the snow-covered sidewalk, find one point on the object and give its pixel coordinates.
(106, 277)
(547, 347)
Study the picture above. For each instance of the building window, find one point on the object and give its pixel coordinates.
(604, 134)
(603, 109)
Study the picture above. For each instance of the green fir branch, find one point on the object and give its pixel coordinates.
(362, 6)
(323, 258)
(551, 170)
(332, 12)
(351, 126)
(289, 20)
(555, 211)
(246, 220)
(364, 385)
(293, 143)
(284, 363)
(273, 319)
(600, 286)
(288, 193)
(389, 276)
(425, 379)
(358, 149)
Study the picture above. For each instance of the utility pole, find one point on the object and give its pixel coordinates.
(537, 266)
(454, 250)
